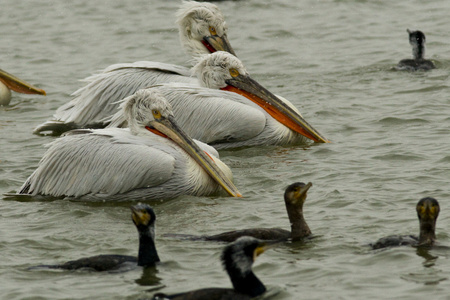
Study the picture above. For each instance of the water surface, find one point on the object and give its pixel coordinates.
(333, 60)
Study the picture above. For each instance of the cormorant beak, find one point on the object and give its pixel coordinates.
(168, 127)
(140, 216)
(428, 211)
(18, 85)
(301, 194)
(218, 43)
(263, 246)
(279, 110)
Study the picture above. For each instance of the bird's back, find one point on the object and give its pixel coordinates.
(205, 294)
(415, 65)
(99, 98)
(104, 161)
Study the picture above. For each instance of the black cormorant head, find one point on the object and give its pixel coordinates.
(143, 217)
(241, 254)
(296, 193)
(416, 38)
(428, 210)
(238, 258)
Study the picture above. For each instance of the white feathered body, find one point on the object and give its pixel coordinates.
(98, 99)
(116, 164)
(221, 119)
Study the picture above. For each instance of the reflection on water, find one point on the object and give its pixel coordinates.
(149, 277)
(429, 258)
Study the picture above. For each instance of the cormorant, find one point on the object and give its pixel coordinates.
(237, 259)
(144, 219)
(294, 197)
(427, 212)
(417, 41)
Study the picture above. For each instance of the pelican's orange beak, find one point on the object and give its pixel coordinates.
(279, 110)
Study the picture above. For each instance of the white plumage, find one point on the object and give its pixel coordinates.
(222, 119)
(202, 29)
(226, 119)
(131, 163)
(264, 120)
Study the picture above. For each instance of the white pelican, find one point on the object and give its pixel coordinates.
(249, 115)
(10, 82)
(202, 30)
(153, 159)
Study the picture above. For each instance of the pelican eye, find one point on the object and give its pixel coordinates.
(212, 30)
(156, 114)
(234, 72)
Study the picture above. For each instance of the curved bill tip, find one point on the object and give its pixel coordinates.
(18, 85)
(274, 106)
(169, 127)
(308, 185)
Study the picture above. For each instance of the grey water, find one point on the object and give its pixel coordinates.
(334, 60)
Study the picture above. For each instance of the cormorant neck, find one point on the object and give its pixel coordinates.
(147, 251)
(418, 51)
(246, 283)
(299, 228)
(427, 233)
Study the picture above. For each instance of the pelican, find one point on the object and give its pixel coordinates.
(202, 29)
(153, 159)
(10, 82)
(232, 110)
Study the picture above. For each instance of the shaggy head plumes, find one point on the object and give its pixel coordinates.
(213, 69)
(195, 21)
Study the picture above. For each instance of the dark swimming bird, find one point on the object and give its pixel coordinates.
(237, 259)
(294, 197)
(417, 41)
(144, 219)
(428, 212)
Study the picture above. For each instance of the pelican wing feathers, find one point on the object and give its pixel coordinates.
(98, 99)
(70, 168)
(212, 116)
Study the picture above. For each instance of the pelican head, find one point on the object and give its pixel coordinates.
(222, 70)
(10, 82)
(141, 109)
(149, 110)
(202, 28)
